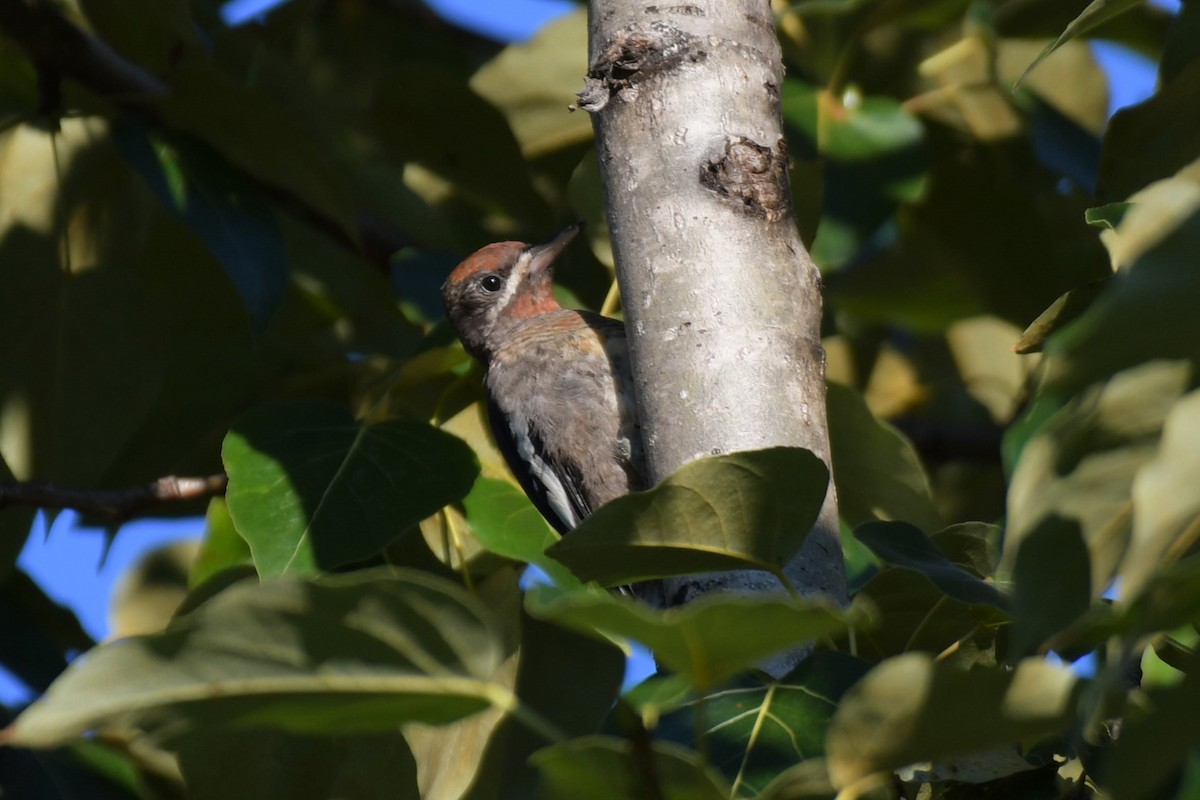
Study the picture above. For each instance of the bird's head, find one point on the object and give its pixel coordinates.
(499, 286)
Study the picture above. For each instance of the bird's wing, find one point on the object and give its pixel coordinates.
(555, 487)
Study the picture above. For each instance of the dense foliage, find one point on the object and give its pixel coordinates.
(219, 253)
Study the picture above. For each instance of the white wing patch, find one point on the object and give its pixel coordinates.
(543, 473)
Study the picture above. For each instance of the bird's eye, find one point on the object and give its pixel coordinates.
(491, 283)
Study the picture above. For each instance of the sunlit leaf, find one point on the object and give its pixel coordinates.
(533, 82)
(912, 708)
(1082, 463)
(1166, 509)
(1097, 13)
(221, 548)
(505, 522)
(311, 489)
(750, 508)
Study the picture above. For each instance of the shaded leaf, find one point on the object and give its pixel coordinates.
(375, 766)
(79, 371)
(348, 653)
(1153, 139)
(600, 768)
(708, 640)
(311, 489)
(421, 109)
(1154, 744)
(753, 731)
(875, 468)
(752, 508)
(916, 615)
(237, 226)
(571, 680)
(912, 708)
(258, 136)
(1051, 584)
(904, 545)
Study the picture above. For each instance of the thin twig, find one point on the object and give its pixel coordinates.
(116, 504)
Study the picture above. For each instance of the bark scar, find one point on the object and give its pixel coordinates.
(752, 176)
(636, 54)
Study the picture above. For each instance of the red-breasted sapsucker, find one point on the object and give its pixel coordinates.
(560, 394)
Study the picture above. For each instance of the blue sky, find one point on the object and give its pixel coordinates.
(69, 562)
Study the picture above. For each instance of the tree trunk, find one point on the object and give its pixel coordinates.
(721, 299)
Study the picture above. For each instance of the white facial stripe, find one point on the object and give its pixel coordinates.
(515, 278)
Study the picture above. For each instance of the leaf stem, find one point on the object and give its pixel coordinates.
(508, 702)
(924, 623)
(611, 300)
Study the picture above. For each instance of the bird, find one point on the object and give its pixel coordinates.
(558, 383)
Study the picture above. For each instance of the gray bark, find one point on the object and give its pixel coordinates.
(721, 299)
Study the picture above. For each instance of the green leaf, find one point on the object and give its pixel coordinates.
(1106, 217)
(311, 489)
(709, 640)
(349, 653)
(1052, 584)
(235, 224)
(506, 523)
(906, 546)
(258, 136)
(534, 82)
(570, 680)
(146, 31)
(1153, 139)
(874, 156)
(1153, 744)
(221, 548)
(420, 109)
(79, 371)
(601, 768)
(1081, 465)
(875, 468)
(912, 708)
(752, 731)
(375, 766)
(1097, 13)
(1063, 311)
(751, 508)
(916, 615)
(1165, 505)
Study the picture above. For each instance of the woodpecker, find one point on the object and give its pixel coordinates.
(559, 389)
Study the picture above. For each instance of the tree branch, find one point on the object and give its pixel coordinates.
(722, 301)
(116, 504)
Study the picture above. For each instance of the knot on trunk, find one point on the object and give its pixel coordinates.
(636, 54)
(751, 175)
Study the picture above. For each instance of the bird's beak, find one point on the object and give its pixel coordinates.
(543, 255)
